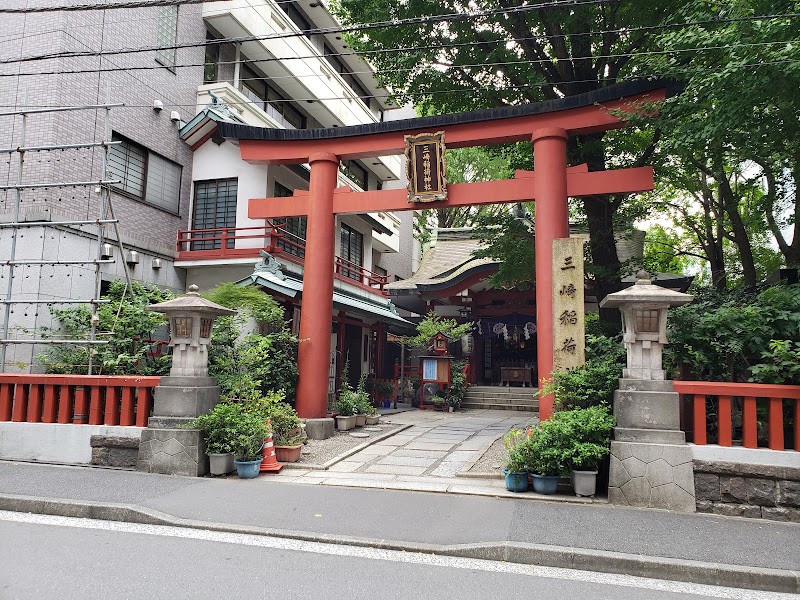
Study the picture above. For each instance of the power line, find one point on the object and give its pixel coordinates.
(371, 72)
(452, 17)
(106, 6)
(666, 75)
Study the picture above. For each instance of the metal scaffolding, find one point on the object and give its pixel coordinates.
(11, 262)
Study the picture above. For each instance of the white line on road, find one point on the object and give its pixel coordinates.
(399, 556)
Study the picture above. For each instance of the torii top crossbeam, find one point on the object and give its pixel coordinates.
(547, 125)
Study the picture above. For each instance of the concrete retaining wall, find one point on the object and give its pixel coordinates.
(760, 483)
(53, 442)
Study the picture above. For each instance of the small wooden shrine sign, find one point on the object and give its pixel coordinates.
(425, 167)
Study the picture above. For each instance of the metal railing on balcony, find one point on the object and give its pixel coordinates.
(245, 242)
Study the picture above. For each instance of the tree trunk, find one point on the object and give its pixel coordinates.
(730, 204)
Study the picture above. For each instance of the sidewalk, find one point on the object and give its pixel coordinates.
(701, 548)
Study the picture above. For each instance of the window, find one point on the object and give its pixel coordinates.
(214, 208)
(354, 171)
(144, 175)
(268, 99)
(166, 35)
(211, 61)
(352, 252)
(294, 243)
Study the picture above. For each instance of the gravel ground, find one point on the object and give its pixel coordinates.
(318, 452)
(492, 461)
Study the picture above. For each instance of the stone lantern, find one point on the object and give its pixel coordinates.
(651, 464)
(167, 446)
(190, 320)
(644, 322)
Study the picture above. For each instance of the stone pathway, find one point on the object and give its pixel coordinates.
(426, 456)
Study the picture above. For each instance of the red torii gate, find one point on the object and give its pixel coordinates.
(547, 125)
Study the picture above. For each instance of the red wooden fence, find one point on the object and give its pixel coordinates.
(77, 399)
(742, 401)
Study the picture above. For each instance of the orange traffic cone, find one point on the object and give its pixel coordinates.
(270, 463)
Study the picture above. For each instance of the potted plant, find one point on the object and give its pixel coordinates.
(215, 427)
(346, 409)
(247, 432)
(438, 402)
(515, 471)
(588, 435)
(362, 403)
(286, 432)
(543, 449)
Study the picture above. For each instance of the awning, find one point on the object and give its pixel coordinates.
(268, 275)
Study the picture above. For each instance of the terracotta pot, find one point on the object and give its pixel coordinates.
(288, 453)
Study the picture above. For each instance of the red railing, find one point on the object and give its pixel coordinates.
(199, 244)
(740, 405)
(408, 371)
(77, 399)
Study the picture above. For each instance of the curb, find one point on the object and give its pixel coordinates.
(736, 576)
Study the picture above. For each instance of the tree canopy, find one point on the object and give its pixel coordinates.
(734, 127)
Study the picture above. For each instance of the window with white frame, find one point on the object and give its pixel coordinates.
(144, 175)
(167, 35)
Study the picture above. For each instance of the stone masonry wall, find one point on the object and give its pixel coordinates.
(748, 490)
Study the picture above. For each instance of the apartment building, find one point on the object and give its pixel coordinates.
(179, 192)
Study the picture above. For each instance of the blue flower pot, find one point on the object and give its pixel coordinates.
(247, 469)
(516, 482)
(545, 484)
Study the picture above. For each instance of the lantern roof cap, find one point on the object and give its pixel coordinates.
(644, 292)
(193, 302)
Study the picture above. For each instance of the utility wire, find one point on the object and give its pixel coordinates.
(372, 72)
(452, 17)
(465, 89)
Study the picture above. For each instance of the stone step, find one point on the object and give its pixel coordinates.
(501, 400)
(492, 406)
(497, 389)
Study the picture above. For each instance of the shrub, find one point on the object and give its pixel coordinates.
(216, 426)
(248, 366)
(229, 427)
(594, 383)
(458, 383)
(729, 335)
(128, 349)
(570, 439)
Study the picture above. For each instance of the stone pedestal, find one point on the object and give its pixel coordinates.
(167, 445)
(651, 465)
(319, 429)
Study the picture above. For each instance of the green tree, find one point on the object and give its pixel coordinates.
(735, 127)
(125, 323)
(501, 54)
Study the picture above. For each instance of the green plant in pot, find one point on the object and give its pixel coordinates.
(248, 430)
(588, 441)
(362, 404)
(544, 455)
(516, 470)
(216, 427)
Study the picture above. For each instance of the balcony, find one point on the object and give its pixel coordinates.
(246, 242)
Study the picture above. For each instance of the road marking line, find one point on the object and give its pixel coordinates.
(398, 556)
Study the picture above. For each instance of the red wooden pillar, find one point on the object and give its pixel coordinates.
(6, 400)
(317, 307)
(749, 423)
(50, 413)
(552, 221)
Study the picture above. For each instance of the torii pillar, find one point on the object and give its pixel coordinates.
(552, 222)
(316, 315)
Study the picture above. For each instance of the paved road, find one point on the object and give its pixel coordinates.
(57, 558)
(419, 517)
